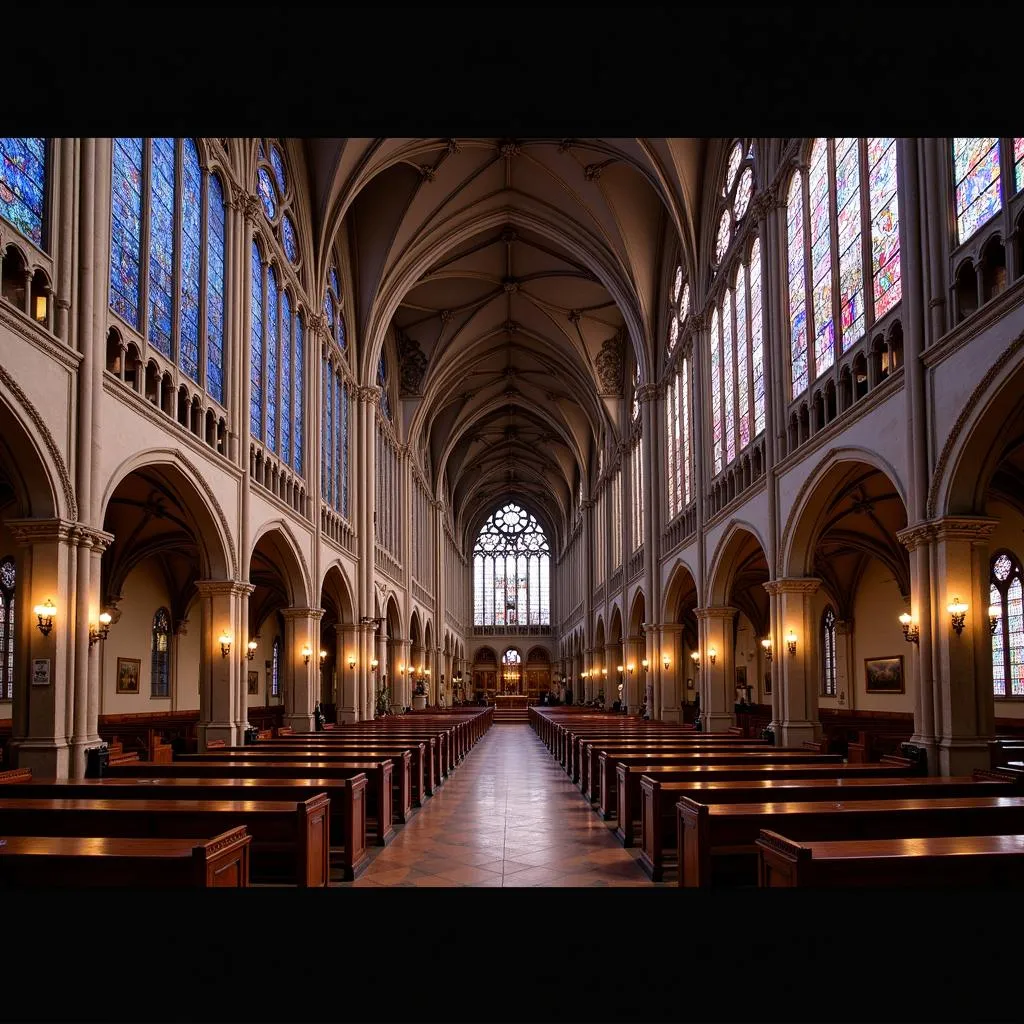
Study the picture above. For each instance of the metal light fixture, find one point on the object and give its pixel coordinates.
(695, 658)
(665, 662)
(631, 668)
(791, 641)
(351, 661)
(251, 648)
(712, 654)
(225, 643)
(604, 671)
(645, 664)
(100, 632)
(766, 643)
(45, 614)
(618, 668)
(401, 669)
(307, 653)
(323, 657)
(994, 612)
(373, 664)
(911, 632)
(958, 612)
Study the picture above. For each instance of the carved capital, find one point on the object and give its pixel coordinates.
(717, 612)
(969, 528)
(699, 322)
(40, 531)
(793, 585)
(509, 148)
(317, 322)
(765, 201)
(610, 365)
(647, 392)
(231, 588)
(370, 394)
(314, 614)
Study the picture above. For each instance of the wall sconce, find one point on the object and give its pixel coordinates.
(323, 658)
(100, 632)
(958, 612)
(352, 661)
(911, 632)
(604, 671)
(307, 653)
(618, 668)
(401, 669)
(766, 643)
(994, 611)
(695, 658)
(631, 668)
(373, 664)
(712, 654)
(251, 648)
(426, 671)
(791, 641)
(45, 614)
(665, 662)
(225, 644)
(645, 665)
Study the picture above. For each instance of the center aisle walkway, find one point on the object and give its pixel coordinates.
(509, 816)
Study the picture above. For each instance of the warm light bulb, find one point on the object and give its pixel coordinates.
(105, 618)
(956, 607)
(695, 657)
(905, 619)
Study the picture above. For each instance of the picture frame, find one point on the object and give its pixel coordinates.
(40, 671)
(689, 684)
(741, 676)
(884, 675)
(128, 672)
(768, 683)
(253, 682)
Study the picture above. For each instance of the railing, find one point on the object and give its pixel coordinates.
(636, 564)
(512, 631)
(421, 593)
(332, 525)
(744, 471)
(268, 471)
(615, 583)
(388, 565)
(684, 525)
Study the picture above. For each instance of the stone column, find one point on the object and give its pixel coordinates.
(301, 627)
(398, 675)
(718, 688)
(633, 654)
(347, 642)
(797, 675)
(609, 676)
(97, 542)
(221, 677)
(671, 643)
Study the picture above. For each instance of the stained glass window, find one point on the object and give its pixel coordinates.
(635, 410)
(327, 447)
(728, 380)
(723, 237)
(744, 191)
(298, 403)
(23, 185)
(271, 334)
(735, 156)
(821, 257)
(742, 347)
(344, 451)
(885, 224)
(191, 260)
(848, 224)
(215, 291)
(977, 185)
(672, 447)
(265, 187)
(737, 192)
(275, 668)
(329, 312)
(716, 390)
(511, 570)
(382, 381)
(160, 676)
(677, 284)
(1006, 595)
(7, 628)
(684, 302)
(828, 653)
(289, 240)
(684, 428)
(673, 332)
(286, 378)
(1018, 164)
(333, 278)
(277, 162)
(126, 229)
(797, 288)
(161, 244)
(756, 337)
(256, 347)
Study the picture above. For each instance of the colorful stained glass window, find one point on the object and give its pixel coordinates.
(673, 332)
(286, 378)
(821, 258)
(329, 311)
(256, 347)
(735, 157)
(742, 365)
(271, 333)
(160, 675)
(977, 184)
(885, 225)
(161, 244)
(677, 283)
(382, 380)
(828, 652)
(275, 668)
(344, 450)
(684, 302)
(265, 187)
(744, 191)
(333, 278)
(191, 260)
(848, 225)
(7, 628)
(289, 240)
(126, 229)
(277, 162)
(1018, 165)
(672, 447)
(511, 570)
(298, 403)
(797, 288)
(327, 442)
(728, 379)
(215, 290)
(1007, 597)
(716, 390)
(756, 337)
(23, 185)
(684, 428)
(723, 237)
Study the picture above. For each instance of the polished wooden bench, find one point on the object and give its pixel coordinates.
(718, 841)
(123, 758)
(60, 862)
(290, 839)
(608, 794)
(346, 811)
(990, 862)
(379, 824)
(576, 742)
(16, 775)
(437, 741)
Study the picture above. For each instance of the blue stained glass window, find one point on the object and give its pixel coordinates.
(329, 311)
(291, 245)
(126, 229)
(161, 245)
(160, 672)
(333, 275)
(344, 451)
(299, 399)
(23, 185)
(215, 291)
(256, 347)
(270, 332)
(277, 162)
(326, 461)
(266, 190)
(382, 380)
(191, 259)
(340, 404)
(286, 378)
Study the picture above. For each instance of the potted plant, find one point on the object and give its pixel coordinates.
(383, 701)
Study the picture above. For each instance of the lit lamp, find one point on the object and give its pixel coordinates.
(604, 671)
(225, 644)
(251, 651)
(100, 632)
(791, 641)
(631, 668)
(45, 613)
(958, 612)
(401, 669)
(323, 658)
(665, 662)
(645, 664)
(695, 658)
(307, 653)
(994, 611)
(766, 643)
(351, 661)
(911, 632)
(618, 668)
(373, 664)
(712, 654)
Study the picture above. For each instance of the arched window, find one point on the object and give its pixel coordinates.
(511, 570)
(275, 668)
(23, 185)
(335, 442)
(634, 413)
(7, 580)
(677, 429)
(637, 473)
(842, 228)
(274, 189)
(511, 669)
(978, 173)
(333, 309)
(679, 308)
(160, 293)
(160, 675)
(734, 197)
(828, 653)
(382, 381)
(1005, 593)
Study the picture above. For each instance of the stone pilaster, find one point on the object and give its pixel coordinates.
(717, 677)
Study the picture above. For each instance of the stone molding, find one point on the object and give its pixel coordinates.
(793, 585)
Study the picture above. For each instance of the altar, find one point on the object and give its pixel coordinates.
(508, 701)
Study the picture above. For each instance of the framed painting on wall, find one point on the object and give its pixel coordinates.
(884, 675)
(254, 682)
(128, 674)
(768, 682)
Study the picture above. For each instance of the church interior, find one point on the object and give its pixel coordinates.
(512, 512)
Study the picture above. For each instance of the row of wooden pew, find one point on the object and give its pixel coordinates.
(719, 809)
(288, 809)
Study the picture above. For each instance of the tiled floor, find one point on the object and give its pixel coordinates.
(510, 817)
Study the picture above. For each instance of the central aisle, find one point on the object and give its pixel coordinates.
(508, 816)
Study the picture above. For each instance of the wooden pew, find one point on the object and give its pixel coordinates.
(719, 840)
(439, 742)
(79, 863)
(658, 832)
(990, 862)
(290, 840)
(378, 777)
(662, 785)
(578, 742)
(346, 811)
(16, 775)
